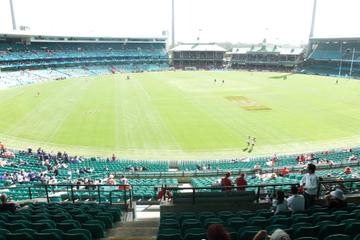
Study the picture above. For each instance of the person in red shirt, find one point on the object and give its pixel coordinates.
(160, 195)
(348, 170)
(113, 158)
(285, 171)
(226, 182)
(241, 182)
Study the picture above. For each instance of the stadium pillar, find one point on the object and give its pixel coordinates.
(352, 62)
(173, 23)
(12, 15)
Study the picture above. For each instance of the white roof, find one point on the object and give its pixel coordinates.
(199, 47)
(267, 49)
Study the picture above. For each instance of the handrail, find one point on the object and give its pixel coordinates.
(258, 186)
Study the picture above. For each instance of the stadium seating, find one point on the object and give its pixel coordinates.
(172, 224)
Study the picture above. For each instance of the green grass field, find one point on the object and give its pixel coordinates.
(183, 115)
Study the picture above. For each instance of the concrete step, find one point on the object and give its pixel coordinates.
(135, 230)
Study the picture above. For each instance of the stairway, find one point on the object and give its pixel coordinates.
(144, 227)
(135, 230)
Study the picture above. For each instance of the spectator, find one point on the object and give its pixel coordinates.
(226, 182)
(310, 183)
(347, 170)
(2, 147)
(5, 205)
(280, 204)
(217, 232)
(113, 157)
(241, 182)
(124, 181)
(352, 158)
(278, 234)
(336, 199)
(285, 171)
(296, 202)
(161, 192)
(111, 180)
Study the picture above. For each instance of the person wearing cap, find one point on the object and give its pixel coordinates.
(310, 184)
(241, 182)
(336, 199)
(226, 182)
(111, 180)
(278, 234)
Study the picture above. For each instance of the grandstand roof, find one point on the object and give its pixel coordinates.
(55, 38)
(267, 49)
(335, 39)
(198, 47)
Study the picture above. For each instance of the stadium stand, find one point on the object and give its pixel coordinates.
(199, 55)
(265, 56)
(332, 57)
(26, 59)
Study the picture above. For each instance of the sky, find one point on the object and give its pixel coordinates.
(246, 21)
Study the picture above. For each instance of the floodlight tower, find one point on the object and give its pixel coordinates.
(313, 20)
(12, 15)
(312, 28)
(172, 23)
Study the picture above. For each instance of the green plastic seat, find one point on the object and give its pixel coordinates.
(97, 230)
(29, 231)
(47, 236)
(236, 223)
(19, 236)
(247, 232)
(106, 220)
(82, 218)
(12, 227)
(195, 236)
(56, 231)
(305, 231)
(307, 238)
(357, 237)
(81, 231)
(331, 229)
(74, 222)
(190, 223)
(209, 221)
(270, 229)
(352, 229)
(338, 237)
(169, 236)
(74, 236)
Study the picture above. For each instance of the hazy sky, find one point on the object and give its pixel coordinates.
(248, 21)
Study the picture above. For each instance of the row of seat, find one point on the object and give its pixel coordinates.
(91, 217)
(242, 224)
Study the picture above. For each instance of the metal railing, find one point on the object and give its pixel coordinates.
(262, 189)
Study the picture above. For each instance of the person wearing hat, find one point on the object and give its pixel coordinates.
(336, 199)
(278, 234)
(111, 180)
(226, 182)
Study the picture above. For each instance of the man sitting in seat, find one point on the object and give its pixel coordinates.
(296, 202)
(347, 170)
(7, 206)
